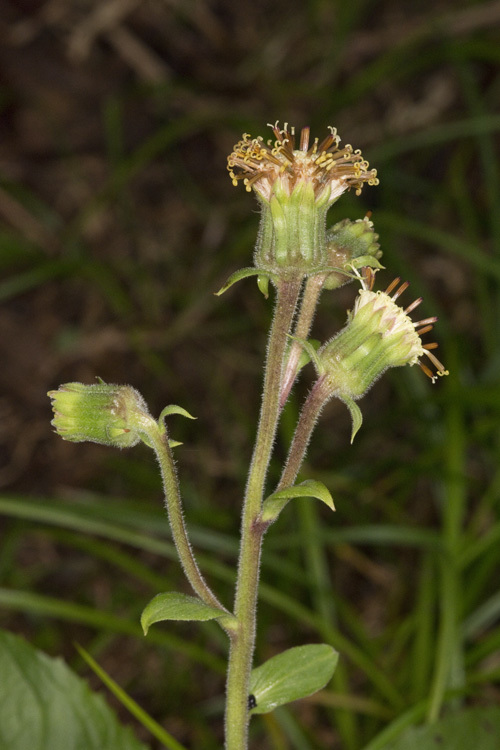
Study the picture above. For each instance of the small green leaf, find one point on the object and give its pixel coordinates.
(243, 273)
(366, 260)
(263, 284)
(43, 704)
(296, 673)
(474, 727)
(310, 349)
(356, 416)
(174, 409)
(274, 504)
(174, 443)
(175, 606)
(167, 411)
(305, 357)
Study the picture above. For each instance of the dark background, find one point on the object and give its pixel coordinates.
(118, 223)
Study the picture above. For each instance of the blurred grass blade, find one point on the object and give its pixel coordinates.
(23, 601)
(144, 718)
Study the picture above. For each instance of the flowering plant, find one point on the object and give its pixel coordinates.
(300, 257)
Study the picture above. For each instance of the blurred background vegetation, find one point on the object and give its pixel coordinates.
(117, 225)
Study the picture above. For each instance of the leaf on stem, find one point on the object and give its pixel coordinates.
(174, 409)
(274, 504)
(363, 261)
(175, 606)
(309, 353)
(167, 411)
(263, 284)
(244, 273)
(296, 673)
(305, 358)
(174, 443)
(356, 416)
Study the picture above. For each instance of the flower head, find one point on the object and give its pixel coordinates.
(329, 168)
(296, 187)
(101, 413)
(379, 334)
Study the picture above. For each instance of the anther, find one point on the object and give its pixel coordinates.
(400, 291)
(392, 285)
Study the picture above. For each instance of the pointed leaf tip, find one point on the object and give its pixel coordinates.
(263, 284)
(174, 409)
(274, 504)
(356, 416)
(243, 273)
(366, 261)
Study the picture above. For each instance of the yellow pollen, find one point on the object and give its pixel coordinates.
(259, 164)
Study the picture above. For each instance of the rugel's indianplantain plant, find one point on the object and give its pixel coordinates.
(295, 185)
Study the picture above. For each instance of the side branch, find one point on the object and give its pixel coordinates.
(173, 504)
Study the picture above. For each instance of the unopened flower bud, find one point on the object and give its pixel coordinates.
(351, 244)
(296, 187)
(102, 413)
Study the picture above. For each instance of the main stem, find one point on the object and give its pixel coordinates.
(243, 641)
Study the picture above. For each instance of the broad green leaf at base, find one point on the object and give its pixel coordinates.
(45, 706)
(296, 673)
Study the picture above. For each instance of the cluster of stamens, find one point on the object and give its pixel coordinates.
(396, 319)
(326, 165)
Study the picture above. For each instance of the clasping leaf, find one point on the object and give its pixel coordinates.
(244, 273)
(296, 673)
(356, 415)
(176, 606)
(274, 504)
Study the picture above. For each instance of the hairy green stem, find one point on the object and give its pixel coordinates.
(315, 401)
(308, 306)
(159, 443)
(242, 642)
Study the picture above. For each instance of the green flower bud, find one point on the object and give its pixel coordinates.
(102, 413)
(379, 334)
(295, 188)
(351, 244)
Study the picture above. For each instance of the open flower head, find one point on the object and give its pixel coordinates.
(379, 334)
(328, 167)
(296, 183)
